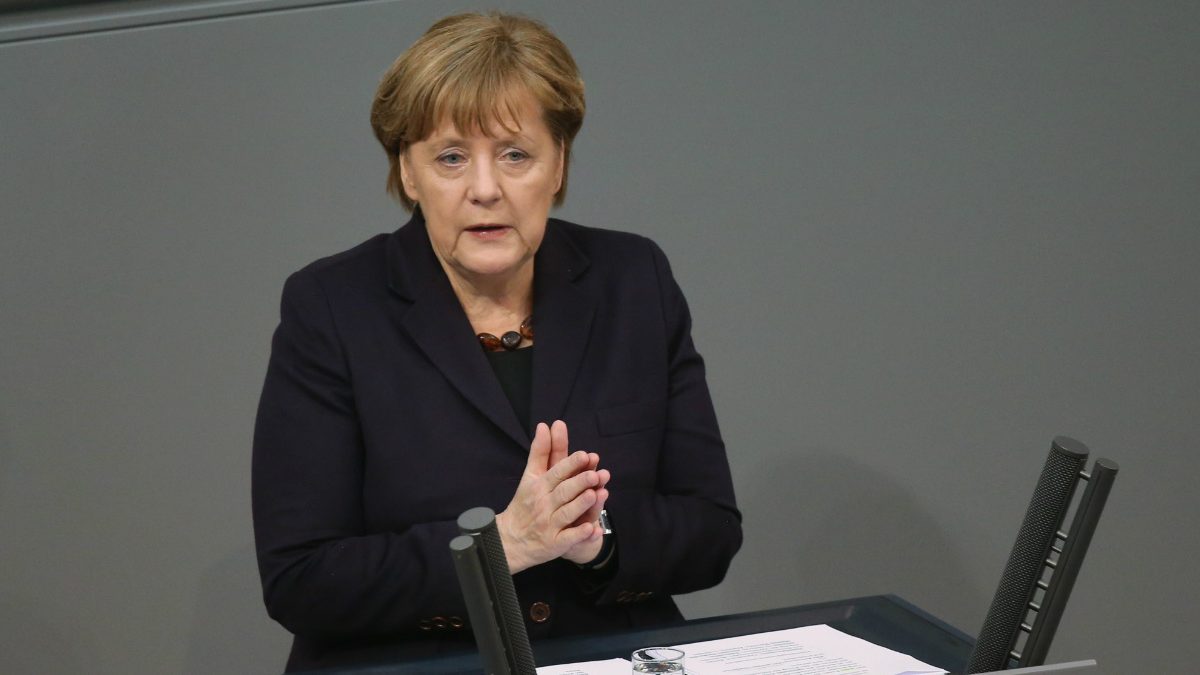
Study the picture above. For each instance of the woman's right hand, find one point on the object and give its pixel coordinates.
(545, 518)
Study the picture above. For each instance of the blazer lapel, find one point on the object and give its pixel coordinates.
(436, 322)
(562, 320)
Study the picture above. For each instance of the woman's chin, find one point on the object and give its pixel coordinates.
(492, 266)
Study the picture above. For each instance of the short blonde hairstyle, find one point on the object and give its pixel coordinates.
(473, 69)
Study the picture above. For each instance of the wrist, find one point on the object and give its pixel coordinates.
(516, 562)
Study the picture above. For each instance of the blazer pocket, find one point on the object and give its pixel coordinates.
(630, 417)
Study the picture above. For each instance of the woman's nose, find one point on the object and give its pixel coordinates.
(484, 188)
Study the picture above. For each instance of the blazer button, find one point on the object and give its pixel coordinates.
(539, 612)
(425, 624)
(623, 597)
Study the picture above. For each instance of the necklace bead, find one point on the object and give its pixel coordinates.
(510, 340)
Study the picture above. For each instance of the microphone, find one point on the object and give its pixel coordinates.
(491, 599)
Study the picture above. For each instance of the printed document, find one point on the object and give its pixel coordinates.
(608, 667)
(810, 650)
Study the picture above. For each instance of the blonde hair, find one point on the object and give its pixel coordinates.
(473, 69)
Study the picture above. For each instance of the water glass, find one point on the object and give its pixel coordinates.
(657, 660)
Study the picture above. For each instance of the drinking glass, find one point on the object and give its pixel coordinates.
(657, 660)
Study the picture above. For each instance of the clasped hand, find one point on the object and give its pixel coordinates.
(556, 509)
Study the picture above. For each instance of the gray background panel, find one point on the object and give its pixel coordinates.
(919, 240)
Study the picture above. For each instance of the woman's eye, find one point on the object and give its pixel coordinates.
(514, 156)
(452, 159)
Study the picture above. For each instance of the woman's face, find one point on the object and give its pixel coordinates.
(485, 197)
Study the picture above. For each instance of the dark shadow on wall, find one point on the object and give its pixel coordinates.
(231, 632)
(821, 526)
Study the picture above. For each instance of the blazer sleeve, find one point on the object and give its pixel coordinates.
(680, 536)
(322, 574)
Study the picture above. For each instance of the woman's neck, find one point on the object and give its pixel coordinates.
(495, 305)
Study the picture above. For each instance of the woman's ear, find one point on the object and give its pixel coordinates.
(406, 178)
(562, 155)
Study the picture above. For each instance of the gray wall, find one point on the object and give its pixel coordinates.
(919, 240)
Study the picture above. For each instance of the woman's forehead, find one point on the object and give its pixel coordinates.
(517, 116)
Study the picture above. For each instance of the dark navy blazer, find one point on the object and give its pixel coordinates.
(381, 421)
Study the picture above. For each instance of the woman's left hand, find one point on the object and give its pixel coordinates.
(586, 550)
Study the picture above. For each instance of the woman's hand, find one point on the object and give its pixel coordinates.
(587, 550)
(557, 503)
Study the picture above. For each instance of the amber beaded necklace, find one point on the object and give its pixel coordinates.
(510, 340)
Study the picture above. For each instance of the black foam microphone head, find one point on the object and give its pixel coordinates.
(1047, 510)
(491, 598)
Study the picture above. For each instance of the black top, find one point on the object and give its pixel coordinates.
(515, 371)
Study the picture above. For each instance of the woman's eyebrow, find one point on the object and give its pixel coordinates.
(442, 143)
(518, 138)
(445, 142)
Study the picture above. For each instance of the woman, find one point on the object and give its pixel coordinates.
(385, 412)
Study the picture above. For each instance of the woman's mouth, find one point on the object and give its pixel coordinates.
(488, 231)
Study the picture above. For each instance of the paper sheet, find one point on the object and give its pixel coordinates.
(810, 650)
(609, 667)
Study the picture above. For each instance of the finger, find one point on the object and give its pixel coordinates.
(604, 476)
(539, 450)
(573, 464)
(570, 512)
(601, 500)
(571, 488)
(592, 515)
(593, 460)
(574, 536)
(559, 447)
